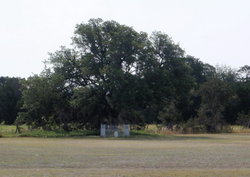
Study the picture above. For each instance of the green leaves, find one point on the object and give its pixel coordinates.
(10, 95)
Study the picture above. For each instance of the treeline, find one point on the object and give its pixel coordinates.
(113, 74)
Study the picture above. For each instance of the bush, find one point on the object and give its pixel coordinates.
(244, 119)
(195, 126)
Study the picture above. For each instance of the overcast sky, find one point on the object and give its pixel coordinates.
(216, 31)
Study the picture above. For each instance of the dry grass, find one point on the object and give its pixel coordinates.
(223, 155)
(240, 129)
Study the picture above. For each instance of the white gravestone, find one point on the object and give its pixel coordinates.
(103, 130)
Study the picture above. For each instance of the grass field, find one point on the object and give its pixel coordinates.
(222, 155)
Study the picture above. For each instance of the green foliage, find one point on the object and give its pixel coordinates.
(10, 95)
(214, 94)
(170, 116)
(44, 103)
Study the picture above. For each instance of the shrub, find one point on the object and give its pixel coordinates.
(244, 119)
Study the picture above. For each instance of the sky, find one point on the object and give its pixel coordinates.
(215, 31)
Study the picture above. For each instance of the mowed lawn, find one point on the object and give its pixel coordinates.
(222, 155)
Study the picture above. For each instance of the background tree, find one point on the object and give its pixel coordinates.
(10, 95)
(45, 102)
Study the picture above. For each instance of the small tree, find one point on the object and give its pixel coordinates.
(170, 115)
(44, 102)
(214, 96)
